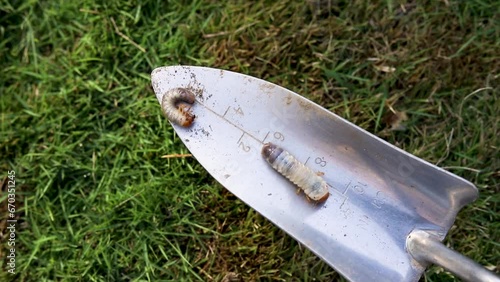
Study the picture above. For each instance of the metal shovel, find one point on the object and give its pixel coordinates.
(387, 212)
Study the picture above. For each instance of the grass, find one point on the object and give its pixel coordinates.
(82, 129)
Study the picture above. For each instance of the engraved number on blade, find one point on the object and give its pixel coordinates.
(244, 147)
(320, 161)
(238, 111)
(278, 135)
(379, 200)
(359, 188)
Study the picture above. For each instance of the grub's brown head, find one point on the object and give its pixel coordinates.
(270, 152)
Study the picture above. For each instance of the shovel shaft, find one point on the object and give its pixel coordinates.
(426, 248)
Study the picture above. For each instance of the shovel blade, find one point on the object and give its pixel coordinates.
(379, 193)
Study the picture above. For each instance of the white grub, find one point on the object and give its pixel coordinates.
(314, 187)
(176, 104)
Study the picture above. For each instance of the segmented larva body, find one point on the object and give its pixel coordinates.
(174, 105)
(314, 187)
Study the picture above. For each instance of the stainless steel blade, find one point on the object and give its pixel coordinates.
(379, 193)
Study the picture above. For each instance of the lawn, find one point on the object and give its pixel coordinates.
(84, 133)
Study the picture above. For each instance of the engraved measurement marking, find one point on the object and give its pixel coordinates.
(238, 111)
(320, 161)
(240, 137)
(379, 201)
(346, 188)
(278, 135)
(343, 202)
(307, 160)
(264, 140)
(363, 223)
(228, 121)
(244, 147)
(224, 112)
(359, 188)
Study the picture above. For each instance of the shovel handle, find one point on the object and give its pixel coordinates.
(427, 248)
